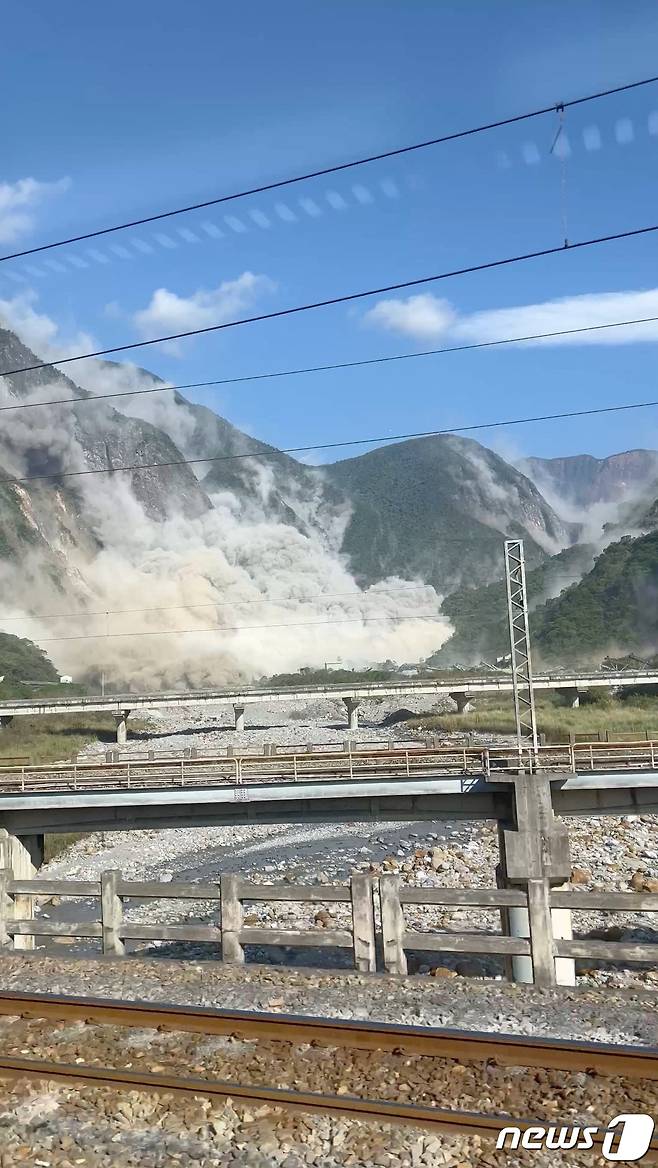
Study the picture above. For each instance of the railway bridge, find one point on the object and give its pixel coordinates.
(461, 688)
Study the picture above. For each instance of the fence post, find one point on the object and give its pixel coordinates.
(363, 922)
(541, 932)
(231, 919)
(111, 914)
(392, 923)
(6, 875)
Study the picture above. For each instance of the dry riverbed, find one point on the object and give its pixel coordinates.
(607, 852)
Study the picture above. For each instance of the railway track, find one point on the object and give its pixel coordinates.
(625, 1062)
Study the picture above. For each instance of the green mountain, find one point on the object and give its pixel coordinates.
(612, 610)
(479, 615)
(437, 509)
(201, 547)
(22, 661)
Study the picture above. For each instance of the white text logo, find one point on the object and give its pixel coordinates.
(626, 1137)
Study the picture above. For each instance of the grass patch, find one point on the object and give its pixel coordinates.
(58, 842)
(555, 720)
(56, 738)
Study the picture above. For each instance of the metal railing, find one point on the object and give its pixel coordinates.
(352, 765)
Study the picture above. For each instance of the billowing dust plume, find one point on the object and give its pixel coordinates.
(227, 596)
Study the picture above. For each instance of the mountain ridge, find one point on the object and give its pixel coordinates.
(236, 533)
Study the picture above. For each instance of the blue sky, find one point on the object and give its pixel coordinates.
(123, 110)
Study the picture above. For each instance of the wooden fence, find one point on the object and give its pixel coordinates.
(376, 910)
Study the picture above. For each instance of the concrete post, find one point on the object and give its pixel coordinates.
(111, 914)
(23, 856)
(462, 701)
(352, 707)
(535, 856)
(392, 918)
(239, 717)
(231, 915)
(5, 907)
(121, 723)
(363, 922)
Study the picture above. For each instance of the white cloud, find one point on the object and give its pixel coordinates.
(38, 331)
(170, 313)
(18, 201)
(424, 316)
(427, 318)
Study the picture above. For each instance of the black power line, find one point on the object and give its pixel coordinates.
(591, 328)
(344, 299)
(412, 588)
(366, 620)
(334, 445)
(342, 166)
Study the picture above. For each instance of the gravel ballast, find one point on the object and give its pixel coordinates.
(99, 1127)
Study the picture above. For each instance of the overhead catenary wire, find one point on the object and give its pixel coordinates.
(238, 603)
(336, 168)
(335, 366)
(286, 450)
(345, 298)
(360, 620)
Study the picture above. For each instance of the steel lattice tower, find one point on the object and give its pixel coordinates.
(517, 609)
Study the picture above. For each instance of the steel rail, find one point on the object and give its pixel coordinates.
(465, 1045)
(352, 1107)
(609, 1060)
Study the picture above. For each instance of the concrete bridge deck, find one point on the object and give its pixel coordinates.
(432, 798)
(398, 785)
(460, 688)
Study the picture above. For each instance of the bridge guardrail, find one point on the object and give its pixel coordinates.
(363, 690)
(403, 762)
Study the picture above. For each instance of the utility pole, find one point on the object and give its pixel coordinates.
(517, 611)
(105, 648)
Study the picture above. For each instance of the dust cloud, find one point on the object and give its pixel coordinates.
(222, 598)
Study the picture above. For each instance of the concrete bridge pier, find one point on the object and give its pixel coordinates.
(121, 723)
(352, 707)
(534, 855)
(461, 700)
(570, 696)
(239, 717)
